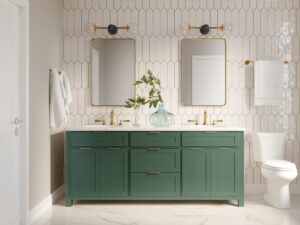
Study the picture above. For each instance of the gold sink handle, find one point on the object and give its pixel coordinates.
(123, 121)
(216, 121)
(100, 121)
(194, 121)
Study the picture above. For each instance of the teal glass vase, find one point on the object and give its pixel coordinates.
(161, 118)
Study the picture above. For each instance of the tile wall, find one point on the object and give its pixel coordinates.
(262, 29)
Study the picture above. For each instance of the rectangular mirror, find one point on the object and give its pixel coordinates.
(112, 71)
(203, 72)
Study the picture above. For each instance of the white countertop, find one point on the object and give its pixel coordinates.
(177, 128)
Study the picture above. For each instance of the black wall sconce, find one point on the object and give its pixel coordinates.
(112, 29)
(205, 28)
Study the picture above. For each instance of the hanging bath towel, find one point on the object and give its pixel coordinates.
(60, 98)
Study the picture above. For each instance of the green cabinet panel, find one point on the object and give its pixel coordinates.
(84, 179)
(155, 159)
(153, 138)
(196, 164)
(155, 185)
(210, 139)
(96, 138)
(114, 172)
(225, 171)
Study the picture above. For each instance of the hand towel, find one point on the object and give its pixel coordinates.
(268, 82)
(60, 98)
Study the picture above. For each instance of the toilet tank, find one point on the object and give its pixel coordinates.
(268, 146)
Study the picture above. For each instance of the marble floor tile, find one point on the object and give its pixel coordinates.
(255, 212)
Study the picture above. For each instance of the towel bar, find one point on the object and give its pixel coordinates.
(247, 62)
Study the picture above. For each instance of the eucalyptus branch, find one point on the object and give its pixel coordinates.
(154, 94)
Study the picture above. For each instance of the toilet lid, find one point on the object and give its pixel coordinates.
(279, 165)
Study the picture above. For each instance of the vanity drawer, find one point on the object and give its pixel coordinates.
(155, 138)
(98, 138)
(212, 138)
(155, 159)
(155, 185)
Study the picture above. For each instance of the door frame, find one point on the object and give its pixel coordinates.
(22, 176)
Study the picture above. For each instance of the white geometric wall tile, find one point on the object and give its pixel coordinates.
(263, 29)
(74, 48)
(77, 23)
(81, 101)
(77, 75)
(74, 104)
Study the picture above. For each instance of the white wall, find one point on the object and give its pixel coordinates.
(262, 29)
(45, 34)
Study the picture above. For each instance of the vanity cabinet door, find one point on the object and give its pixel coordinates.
(114, 172)
(196, 171)
(227, 171)
(84, 173)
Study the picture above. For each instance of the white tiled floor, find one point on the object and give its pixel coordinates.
(256, 211)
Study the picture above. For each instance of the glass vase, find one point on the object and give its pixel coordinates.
(161, 118)
(136, 118)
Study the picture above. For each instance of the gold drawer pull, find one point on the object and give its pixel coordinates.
(153, 149)
(99, 132)
(210, 132)
(195, 148)
(150, 172)
(85, 148)
(224, 148)
(154, 132)
(113, 148)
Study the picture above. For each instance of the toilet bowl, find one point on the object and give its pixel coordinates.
(268, 148)
(278, 175)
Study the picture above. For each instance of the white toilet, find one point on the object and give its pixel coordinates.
(268, 148)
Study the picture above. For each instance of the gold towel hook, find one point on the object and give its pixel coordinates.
(59, 72)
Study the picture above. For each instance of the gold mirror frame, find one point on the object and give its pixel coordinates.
(181, 69)
(91, 70)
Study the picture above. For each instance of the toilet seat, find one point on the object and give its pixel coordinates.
(279, 165)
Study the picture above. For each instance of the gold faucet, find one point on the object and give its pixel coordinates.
(112, 118)
(194, 121)
(205, 118)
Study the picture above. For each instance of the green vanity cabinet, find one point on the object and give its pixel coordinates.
(84, 179)
(196, 171)
(113, 172)
(154, 165)
(226, 171)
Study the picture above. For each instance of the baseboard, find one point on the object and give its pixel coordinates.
(257, 189)
(45, 204)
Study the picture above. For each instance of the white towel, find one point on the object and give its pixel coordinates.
(268, 82)
(60, 98)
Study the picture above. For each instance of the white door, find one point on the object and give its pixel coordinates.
(9, 113)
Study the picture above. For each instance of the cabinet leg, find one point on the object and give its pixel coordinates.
(69, 202)
(241, 202)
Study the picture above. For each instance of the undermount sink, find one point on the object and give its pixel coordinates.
(203, 126)
(95, 125)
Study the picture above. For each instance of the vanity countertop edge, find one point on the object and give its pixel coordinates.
(118, 128)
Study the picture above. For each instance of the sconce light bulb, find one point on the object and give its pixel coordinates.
(133, 28)
(90, 28)
(227, 27)
(184, 28)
